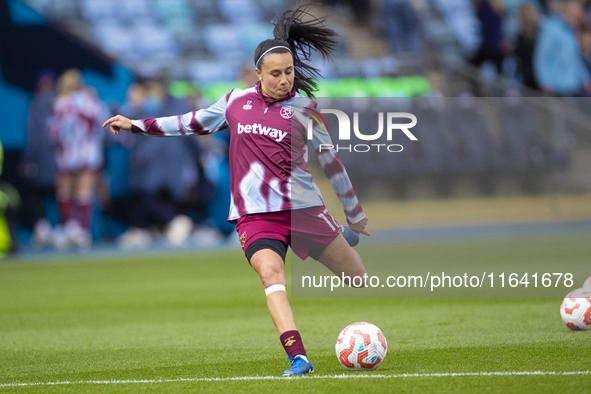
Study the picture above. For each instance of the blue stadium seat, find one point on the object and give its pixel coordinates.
(134, 9)
(224, 41)
(154, 41)
(206, 11)
(94, 10)
(191, 42)
(62, 10)
(206, 71)
(460, 18)
(240, 11)
(251, 34)
(270, 8)
(165, 9)
(179, 24)
(116, 40)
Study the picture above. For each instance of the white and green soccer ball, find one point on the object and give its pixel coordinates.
(361, 347)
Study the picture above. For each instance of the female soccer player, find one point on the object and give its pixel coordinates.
(77, 112)
(274, 200)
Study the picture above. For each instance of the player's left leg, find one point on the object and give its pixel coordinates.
(316, 233)
(342, 259)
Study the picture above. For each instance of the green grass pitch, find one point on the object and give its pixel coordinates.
(198, 322)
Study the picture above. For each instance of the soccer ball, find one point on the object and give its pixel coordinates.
(361, 347)
(575, 309)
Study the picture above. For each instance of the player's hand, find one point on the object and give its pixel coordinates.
(359, 227)
(118, 123)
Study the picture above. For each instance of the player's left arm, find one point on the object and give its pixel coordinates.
(339, 179)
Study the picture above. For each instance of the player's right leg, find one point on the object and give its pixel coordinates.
(316, 233)
(264, 239)
(269, 265)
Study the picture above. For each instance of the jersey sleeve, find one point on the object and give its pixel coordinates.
(336, 173)
(204, 121)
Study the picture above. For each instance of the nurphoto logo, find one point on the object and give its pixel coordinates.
(395, 122)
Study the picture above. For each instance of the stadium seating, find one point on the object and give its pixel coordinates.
(150, 35)
(207, 41)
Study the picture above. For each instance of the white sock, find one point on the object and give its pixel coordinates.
(304, 357)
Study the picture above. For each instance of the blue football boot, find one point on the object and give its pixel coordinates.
(299, 366)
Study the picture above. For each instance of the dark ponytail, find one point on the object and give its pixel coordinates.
(302, 38)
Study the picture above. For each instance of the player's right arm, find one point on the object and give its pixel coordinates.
(204, 121)
(118, 123)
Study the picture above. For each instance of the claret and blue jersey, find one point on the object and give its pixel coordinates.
(268, 151)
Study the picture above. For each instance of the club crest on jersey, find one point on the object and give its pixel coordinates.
(247, 106)
(286, 112)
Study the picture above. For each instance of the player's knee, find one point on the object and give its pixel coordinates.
(271, 276)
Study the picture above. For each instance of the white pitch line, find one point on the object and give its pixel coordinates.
(342, 376)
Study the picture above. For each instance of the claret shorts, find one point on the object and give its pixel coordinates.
(307, 231)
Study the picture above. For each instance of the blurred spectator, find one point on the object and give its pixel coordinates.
(359, 9)
(9, 205)
(216, 169)
(115, 200)
(248, 77)
(585, 39)
(525, 44)
(195, 100)
(211, 195)
(545, 6)
(159, 199)
(558, 61)
(401, 21)
(37, 165)
(73, 128)
(136, 94)
(493, 46)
